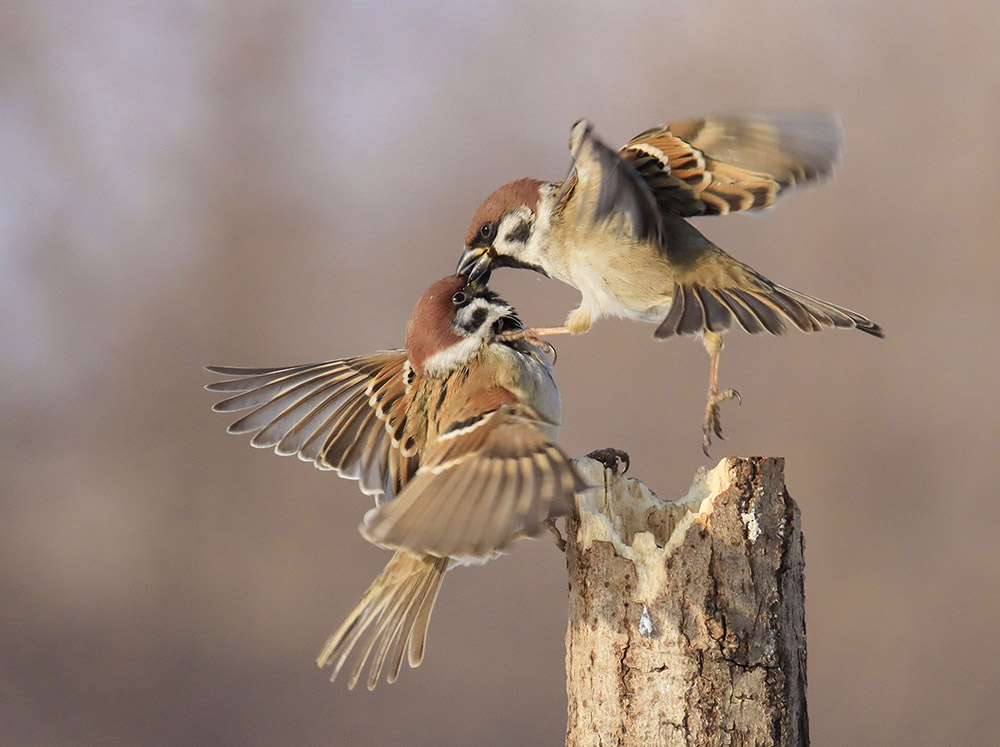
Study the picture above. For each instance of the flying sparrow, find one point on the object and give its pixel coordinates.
(616, 230)
(453, 436)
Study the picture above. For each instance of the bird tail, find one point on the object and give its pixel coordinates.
(391, 618)
(824, 313)
(757, 305)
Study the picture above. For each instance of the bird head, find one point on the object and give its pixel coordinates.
(507, 230)
(451, 323)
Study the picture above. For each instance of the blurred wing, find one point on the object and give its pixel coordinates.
(609, 189)
(727, 164)
(333, 414)
(487, 481)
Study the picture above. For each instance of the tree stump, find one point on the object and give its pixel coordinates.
(687, 618)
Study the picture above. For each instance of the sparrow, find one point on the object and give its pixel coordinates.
(616, 229)
(454, 436)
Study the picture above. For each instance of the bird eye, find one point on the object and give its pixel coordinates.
(488, 231)
(459, 298)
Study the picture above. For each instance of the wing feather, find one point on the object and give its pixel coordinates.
(720, 165)
(609, 188)
(462, 504)
(333, 414)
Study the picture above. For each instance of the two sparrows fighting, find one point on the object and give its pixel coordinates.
(454, 435)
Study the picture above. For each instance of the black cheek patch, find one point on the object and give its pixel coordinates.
(519, 234)
(478, 317)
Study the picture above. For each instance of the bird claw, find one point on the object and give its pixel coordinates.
(713, 418)
(611, 458)
(550, 524)
(711, 424)
(513, 335)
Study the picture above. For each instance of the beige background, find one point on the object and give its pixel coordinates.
(257, 183)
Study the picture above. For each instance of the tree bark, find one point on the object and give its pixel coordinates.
(687, 618)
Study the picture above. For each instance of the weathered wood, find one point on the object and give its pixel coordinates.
(687, 618)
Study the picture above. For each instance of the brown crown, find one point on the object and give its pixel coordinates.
(429, 329)
(509, 197)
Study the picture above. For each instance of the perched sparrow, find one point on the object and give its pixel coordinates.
(454, 438)
(616, 230)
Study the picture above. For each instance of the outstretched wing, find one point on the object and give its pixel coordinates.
(333, 414)
(487, 481)
(720, 165)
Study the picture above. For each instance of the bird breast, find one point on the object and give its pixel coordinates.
(528, 377)
(620, 278)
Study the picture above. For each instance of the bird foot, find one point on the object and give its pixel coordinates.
(550, 524)
(612, 459)
(532, 335)
(713, 420)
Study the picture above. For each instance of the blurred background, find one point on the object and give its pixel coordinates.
(266, 183)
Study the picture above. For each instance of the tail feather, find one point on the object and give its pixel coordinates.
(393, 616)
(757, 306)
(831, 315)
(416, 639)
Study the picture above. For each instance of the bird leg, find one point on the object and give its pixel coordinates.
(713, 421)
(532, 333)
(577, 323)
(534, 336)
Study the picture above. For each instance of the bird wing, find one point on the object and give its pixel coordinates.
(486, 481)
(608, 189)
(336, 414)
(719, 165)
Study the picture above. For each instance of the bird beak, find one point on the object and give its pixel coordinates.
(475, 263)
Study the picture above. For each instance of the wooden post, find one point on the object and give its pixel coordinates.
(687, 618)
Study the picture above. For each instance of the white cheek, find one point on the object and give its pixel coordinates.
(460, 353)
(452, 357)
(511, 226)
(536, 252)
